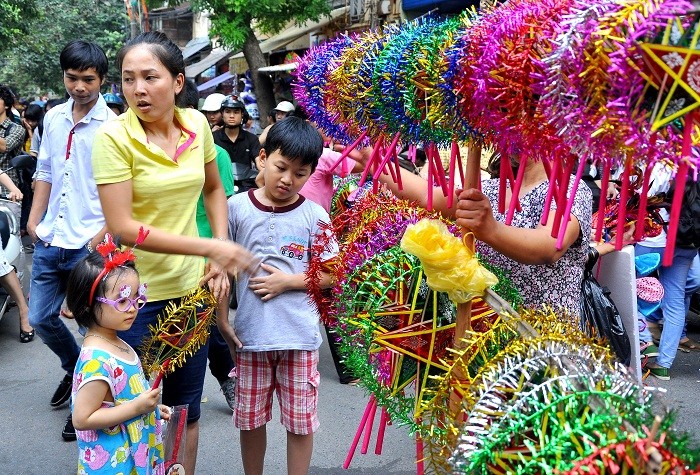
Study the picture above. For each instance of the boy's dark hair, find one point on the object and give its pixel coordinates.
(80, 282)
(162, 48)
(189, 97)
(82, 55)
(7, 96)
(299, 112)
(34, 112)
(294, 138)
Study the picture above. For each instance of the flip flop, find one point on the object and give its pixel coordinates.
(688, 345)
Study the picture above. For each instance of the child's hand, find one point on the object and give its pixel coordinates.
(165, 412)
(269, 286)
(148, 400)
(15, 195)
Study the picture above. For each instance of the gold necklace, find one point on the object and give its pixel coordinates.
(125, 350)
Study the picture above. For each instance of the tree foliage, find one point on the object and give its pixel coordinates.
(31, 64)
(232, 18)
(14, 14)
(234, 22)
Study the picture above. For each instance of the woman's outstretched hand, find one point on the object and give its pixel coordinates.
(232, 258)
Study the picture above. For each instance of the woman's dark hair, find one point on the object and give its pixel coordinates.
(294, 138)
(189, 96)
(7, 96)
(80, 282)
(34, 112)
(299, 112)
(494, 165)
(162, 47)
(82, 55)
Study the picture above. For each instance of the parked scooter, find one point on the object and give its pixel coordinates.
(9, 229)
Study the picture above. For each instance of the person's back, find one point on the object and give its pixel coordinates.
(277, 325)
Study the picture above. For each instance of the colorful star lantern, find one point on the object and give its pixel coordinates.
(180, 332)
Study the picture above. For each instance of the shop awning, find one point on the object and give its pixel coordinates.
(279, 67)
(194, 46)
(214, 82)
(217, 55)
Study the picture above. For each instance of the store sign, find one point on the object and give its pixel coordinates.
(237, 65)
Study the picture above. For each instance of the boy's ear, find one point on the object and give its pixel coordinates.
(260, 159)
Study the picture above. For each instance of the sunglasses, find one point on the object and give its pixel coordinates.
(124, 304)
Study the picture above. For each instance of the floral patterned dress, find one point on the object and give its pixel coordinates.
(557, 285)
(132, 447)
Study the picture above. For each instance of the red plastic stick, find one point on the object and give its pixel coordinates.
(399, 183)
(551, 191)
(420, 468)
(368, 428)
(358, 434)
(430, 181)
(570, 203)
(515, 191)
(561, 198)
(178, 435)
(451, 174)
(643, 199)
(349, 149)
(158, 379)
(439, 171)
(380, 434)
(600, 222)
(622, 208)
(368, 167)
(387, 156)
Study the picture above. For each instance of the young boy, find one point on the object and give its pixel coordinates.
(66, 219)
(276, 324)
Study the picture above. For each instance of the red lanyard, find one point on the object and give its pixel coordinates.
(70, 141)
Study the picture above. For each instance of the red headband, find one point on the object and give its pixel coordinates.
(114, 257)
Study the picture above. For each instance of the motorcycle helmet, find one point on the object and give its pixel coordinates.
(113, 100)
(213, 102)
(231, 102)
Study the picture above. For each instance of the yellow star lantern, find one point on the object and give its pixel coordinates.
(675, 72)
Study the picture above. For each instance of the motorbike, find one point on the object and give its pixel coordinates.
(9, 230)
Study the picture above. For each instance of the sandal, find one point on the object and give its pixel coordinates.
(688, 345)
(26, 337)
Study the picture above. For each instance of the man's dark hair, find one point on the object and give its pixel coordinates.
(189, 97)
(34, 112)
(7, 96)
(83, 55)
(294, 138)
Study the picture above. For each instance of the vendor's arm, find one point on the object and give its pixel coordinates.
(116, 199)
(89, 415)
(527, 246)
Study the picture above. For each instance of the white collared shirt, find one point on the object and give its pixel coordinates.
(74, 214)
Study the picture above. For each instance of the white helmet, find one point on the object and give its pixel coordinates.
(213, 102)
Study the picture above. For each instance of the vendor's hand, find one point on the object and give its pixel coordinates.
(148, 400)
(269, 286)
(474, 213)
(216, 279)
(166, 412)
(612, 191)
(15, 195)
(232, 257)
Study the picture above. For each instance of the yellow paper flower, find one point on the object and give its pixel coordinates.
(448, 264)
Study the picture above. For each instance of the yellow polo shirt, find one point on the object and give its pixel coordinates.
(165, 191)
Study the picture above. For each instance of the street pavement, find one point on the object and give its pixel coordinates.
(30, 430)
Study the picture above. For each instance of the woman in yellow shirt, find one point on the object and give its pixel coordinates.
(150, 165)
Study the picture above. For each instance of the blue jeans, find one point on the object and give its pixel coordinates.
(676, 301)
(692, 284)
(50, 268)
(184, 385)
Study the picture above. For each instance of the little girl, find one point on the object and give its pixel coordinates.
(114, 408)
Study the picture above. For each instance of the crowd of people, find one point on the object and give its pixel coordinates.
(204, 202)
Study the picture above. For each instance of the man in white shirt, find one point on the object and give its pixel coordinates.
(66, 220)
